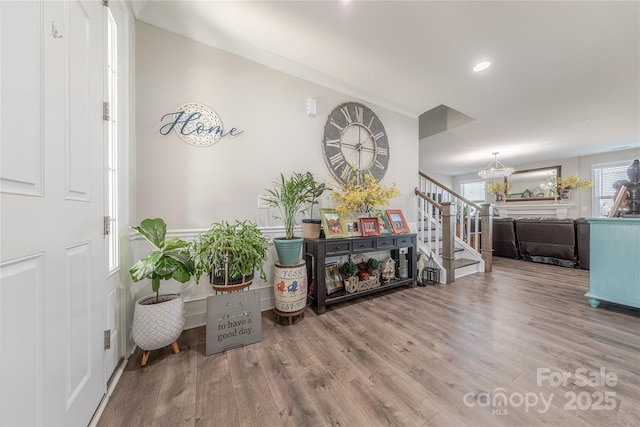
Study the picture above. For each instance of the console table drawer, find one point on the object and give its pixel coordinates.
(386, 242)
(363, 245)
(404, 241)
(338, 248)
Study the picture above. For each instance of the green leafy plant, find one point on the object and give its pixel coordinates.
(242, 245)
(373, 264)
(290, 195)
(169, 260)
(349, 268)
(316, 189)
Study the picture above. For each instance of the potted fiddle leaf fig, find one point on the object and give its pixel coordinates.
(158, 319)
(290, 196)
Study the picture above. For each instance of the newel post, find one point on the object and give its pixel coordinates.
(448, 240)
(487, 236)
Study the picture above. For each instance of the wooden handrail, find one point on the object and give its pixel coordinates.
(427, 198)
(450, 191)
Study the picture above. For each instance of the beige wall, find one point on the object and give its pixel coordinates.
(191, 187)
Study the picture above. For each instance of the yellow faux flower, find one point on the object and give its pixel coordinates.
(573, 182)
(363, 196)
(497, 187)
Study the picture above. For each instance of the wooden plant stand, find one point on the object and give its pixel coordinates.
(289, 315)
(145, 354)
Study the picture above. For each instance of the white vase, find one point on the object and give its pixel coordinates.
(157, 325)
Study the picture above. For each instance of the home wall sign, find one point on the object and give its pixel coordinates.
(196, 124)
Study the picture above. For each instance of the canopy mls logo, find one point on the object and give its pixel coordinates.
(196, 124)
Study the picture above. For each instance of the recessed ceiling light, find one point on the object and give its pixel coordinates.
(481, 66)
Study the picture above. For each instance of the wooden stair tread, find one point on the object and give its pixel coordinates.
(464, 262)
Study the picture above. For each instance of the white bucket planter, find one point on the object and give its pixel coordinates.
(157, 325)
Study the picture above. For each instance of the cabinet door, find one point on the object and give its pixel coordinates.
(340, 247)
(386, 243)
(364, 245)
(404, 241)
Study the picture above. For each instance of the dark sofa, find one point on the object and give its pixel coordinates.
(563, 242)
(505, 243)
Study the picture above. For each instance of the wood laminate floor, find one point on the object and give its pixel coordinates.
(490, 350)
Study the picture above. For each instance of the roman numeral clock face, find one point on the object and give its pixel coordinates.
(355, 143)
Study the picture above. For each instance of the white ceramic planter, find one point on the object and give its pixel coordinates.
(158, 325)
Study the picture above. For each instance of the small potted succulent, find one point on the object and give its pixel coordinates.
(373, 266)
(349, 269)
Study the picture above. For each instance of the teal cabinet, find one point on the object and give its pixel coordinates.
(614, 261)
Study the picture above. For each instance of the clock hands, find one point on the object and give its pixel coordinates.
(359, 147)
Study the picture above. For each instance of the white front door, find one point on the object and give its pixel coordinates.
(51, 182)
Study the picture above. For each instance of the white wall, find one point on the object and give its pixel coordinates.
(189, 186)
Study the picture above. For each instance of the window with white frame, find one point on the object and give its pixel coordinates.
(473, 190)
(604, 175)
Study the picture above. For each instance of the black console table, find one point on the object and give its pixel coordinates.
(316, 251)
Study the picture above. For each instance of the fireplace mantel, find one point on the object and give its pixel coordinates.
(553, 210)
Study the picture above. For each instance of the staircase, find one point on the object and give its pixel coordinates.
(454, 230)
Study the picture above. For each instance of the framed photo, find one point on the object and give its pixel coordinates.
(332, 278)
(369, 226)
(333, 225)
(353, 227)
(383, 222)
(398, 223)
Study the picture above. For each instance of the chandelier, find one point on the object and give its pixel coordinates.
(495, 169)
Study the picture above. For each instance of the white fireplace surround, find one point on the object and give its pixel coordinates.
(552, 210)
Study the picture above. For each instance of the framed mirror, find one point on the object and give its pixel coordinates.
(533, 184)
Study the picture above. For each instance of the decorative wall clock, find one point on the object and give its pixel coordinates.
(355, 143)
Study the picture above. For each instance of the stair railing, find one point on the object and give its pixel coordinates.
(465, 221)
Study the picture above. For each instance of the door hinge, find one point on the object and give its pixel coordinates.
(107, 225)
(106, 111)
(105, 3)
(107, 339)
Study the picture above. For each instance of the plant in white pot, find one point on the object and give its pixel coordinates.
(230, 253)
(158, 320)
(290, 196)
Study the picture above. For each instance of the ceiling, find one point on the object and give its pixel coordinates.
(564, 79)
